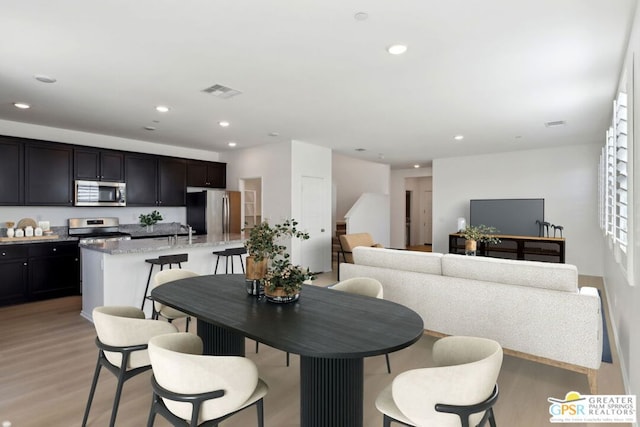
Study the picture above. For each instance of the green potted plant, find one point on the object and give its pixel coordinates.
(148, 220)
(478, 233)
(268, 256)
(284, 280)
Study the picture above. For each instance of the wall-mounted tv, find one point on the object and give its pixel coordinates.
(516, 217)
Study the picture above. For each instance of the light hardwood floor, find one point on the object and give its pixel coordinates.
(47, 357)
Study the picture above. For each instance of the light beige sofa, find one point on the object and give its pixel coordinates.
(535, 310)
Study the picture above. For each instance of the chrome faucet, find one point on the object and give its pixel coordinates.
(189, 230)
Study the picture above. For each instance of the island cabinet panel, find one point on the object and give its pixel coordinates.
(13, 271)
(54, 270)
(48, 174)
(206, 174)
(11, 171)
(98, 165)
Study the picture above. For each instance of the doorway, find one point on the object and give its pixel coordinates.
(251, 210)
(418, 211)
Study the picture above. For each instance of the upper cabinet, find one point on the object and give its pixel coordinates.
(48, 174)
(34, 172)
(96, 164)
(11, 171)
(206, 174)
(155, 181)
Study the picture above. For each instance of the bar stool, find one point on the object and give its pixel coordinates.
(229, 253)
(162, 260)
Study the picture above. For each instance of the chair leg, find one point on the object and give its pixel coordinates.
(388, 363)
(492, 420)
(215, 270)
(242, 265)
(287, 358)
(188, 321)
(152, 411)
(386, 421)
(260, 409)
(94, 383)
(257, 344)
(116, 400)
(146, 288)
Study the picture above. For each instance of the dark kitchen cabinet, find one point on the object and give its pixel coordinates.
(172, 181)
(155, 180)
(36, 271)
(54, 270)
(206, 174)
(98, 165)
(48, 174)
(14, 273)
(11, 171)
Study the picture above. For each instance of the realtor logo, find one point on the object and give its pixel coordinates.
(577, 408)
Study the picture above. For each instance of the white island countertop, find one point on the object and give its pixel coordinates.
(156, 244)
(116, 272)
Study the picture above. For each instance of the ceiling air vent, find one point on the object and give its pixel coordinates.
(222, 91)
(555, 124)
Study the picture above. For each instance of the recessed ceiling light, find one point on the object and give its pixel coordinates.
(397, 49)
(224, 123)
(361, 149)
(232, 144)
(458, 137)
(150, 127)
(21, 105)
(162, 108)
(44, 79)
(274, 133)
(361, 16)
(555, 123)
(416, 166)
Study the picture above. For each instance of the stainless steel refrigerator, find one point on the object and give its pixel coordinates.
(214, 211)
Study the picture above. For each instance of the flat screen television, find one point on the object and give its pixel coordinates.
(516, 217)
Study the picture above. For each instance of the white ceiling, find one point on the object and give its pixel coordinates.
(492, 70)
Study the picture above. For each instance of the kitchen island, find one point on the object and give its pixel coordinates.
(115, 272)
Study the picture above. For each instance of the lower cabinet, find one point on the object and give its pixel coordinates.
(38, 271)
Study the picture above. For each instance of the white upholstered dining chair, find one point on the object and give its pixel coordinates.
(459, 391)
(200, 390)
(159, 309)
(365, 286)
(122, 337)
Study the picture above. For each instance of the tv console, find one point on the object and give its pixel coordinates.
(529, 248)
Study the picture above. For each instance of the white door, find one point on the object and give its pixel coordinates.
(426, 217)
(316, 252)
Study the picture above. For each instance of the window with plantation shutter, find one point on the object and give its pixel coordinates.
(621, 158)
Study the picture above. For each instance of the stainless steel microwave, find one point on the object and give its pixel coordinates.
(100, 193)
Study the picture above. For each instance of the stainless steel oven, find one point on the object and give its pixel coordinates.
(100, 193)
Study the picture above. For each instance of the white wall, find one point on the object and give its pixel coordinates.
(371, 214)
(272, 163)
(352, 177)
(566, 177)
(623, 292)
(398, 187)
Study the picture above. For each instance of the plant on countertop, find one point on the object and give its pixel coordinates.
(264, 240)
(480, 233)
(150, 219)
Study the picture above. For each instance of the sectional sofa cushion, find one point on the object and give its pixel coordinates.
(419, 262)
(558, 277)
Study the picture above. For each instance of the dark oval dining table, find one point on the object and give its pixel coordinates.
(332, 331)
